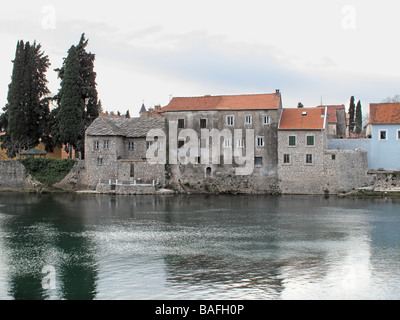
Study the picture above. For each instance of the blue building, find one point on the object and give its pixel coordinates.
(385, 142)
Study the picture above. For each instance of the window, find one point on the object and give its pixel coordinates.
(258, 161)
(181, 123)
(99, 161)
(203, 123)
(132, 171)
(310, 140)
(266, 119)
(240, 143)
(96, 145)
(148, 144)
(260, 141)
(227, 143)
(106, 144)
(247, 119)
(230, 120)
(382, 134)
(292, 141)
(286, 158)
(131, 146)
(398, 134)
(334, 157)
(309, 158)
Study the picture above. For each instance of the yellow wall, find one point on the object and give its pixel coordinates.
(58, 153)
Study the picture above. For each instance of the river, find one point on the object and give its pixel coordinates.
(75, 246)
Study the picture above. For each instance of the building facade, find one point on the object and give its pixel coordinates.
(231, 140)
(385, 136)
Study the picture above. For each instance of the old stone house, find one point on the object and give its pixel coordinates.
(116, 151)
(232, 139)
(305, 165)
(336, 115)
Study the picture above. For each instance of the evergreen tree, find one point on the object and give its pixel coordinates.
(26, 113)
(358, 121)
(352, 114)
(69, 115)
(127, 114)
(87, 87)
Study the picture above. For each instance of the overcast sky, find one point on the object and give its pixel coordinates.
(151, 50)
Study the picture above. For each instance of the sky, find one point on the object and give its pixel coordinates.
(150, 51)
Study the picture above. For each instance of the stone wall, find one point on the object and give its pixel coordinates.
(75, 180)
(12, 175)
(123, 189)
(332, 171)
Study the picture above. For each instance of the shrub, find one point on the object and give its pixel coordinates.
(48, 171)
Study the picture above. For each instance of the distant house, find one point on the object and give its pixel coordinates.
(385, 136)
(305, 165)
(336, 121)
(151, 113)
(115, 149)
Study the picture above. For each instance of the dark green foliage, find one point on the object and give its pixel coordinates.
(352, 108)
(127, 114)
(359, 124)
(48, 171)
(26, 113)
(88, 93)
(70, 121)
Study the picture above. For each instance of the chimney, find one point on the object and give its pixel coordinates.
(277, 91)
(300, 105)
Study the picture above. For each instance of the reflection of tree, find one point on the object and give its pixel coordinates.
(41, 232)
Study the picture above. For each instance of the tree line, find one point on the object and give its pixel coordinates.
(27, 120)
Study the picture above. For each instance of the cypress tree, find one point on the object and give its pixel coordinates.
(70, 120)
(358, 118)
(352, 114)
(90, 104)
(27, 110)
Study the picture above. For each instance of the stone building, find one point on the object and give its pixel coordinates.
(336, 121)
(231, 141)
(116, 151)
(305, 164)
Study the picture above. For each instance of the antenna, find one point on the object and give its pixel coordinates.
(321, 102)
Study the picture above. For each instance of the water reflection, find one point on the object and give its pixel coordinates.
(199, 247)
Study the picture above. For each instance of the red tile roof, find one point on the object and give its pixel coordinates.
(232, 102)
(303, 119)
(332, 116)
(384, 113)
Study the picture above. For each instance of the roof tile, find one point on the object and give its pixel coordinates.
(229, 102)
(384, 113)
(302, 119)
